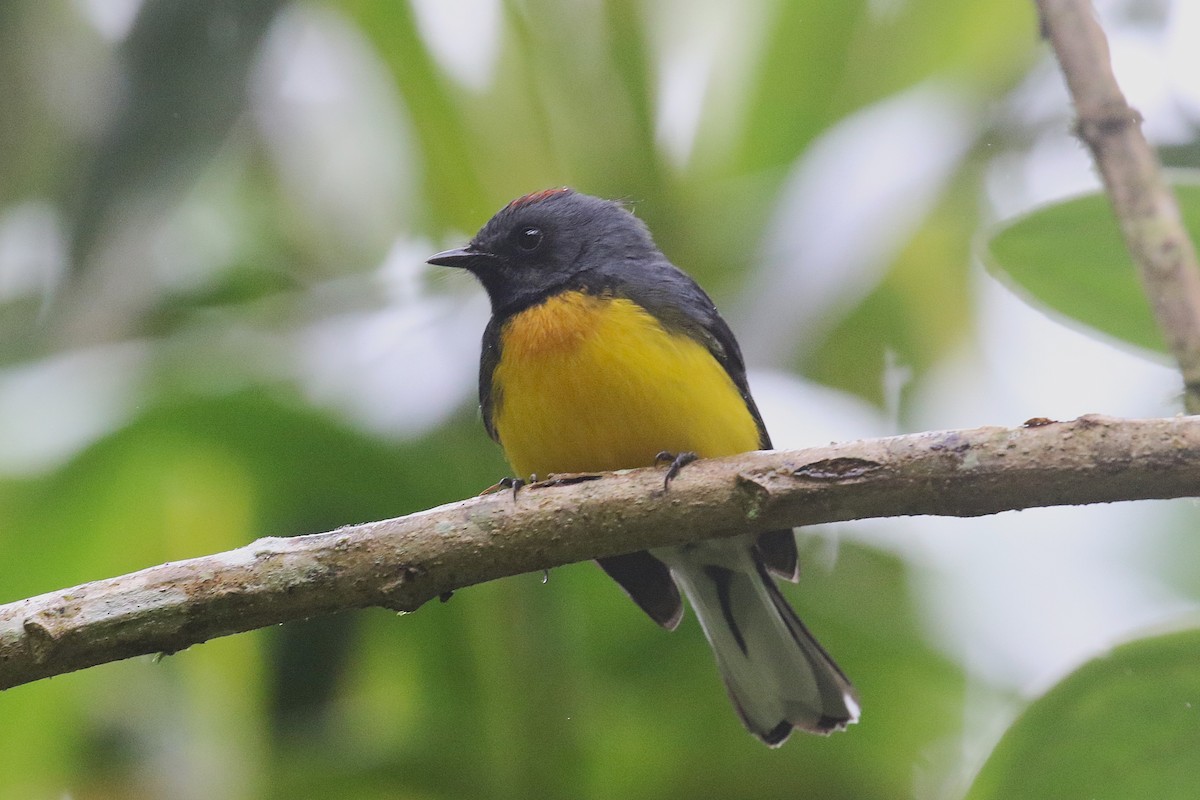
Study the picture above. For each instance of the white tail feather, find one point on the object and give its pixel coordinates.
(777, 675)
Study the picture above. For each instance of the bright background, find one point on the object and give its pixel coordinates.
(216, 324)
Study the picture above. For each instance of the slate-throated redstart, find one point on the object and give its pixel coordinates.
(602, 355)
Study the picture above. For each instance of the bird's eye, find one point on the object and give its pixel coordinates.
(529, 238)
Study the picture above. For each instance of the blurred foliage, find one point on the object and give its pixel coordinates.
(1069, 259)
(1124, 725)
(195, 201)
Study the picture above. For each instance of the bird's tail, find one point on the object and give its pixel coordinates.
(777, 675)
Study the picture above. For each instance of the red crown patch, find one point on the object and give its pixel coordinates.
(537, 197)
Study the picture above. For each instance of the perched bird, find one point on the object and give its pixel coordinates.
(602, 355)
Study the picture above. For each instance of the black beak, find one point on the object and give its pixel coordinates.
(461, 257)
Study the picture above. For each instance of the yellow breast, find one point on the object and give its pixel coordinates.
(590, 383)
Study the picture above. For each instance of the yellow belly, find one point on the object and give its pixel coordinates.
(587, 384)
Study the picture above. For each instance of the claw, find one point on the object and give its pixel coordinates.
(512, 483)
(678, 462)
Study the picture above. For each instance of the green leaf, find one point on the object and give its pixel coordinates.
(1125, 725)
(1069, 259)
(786, 113)
(451, 154)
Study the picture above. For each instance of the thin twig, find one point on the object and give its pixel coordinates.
(1145, 207)
(402, 563)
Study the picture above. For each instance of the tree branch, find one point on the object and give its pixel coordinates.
(402, 563)
(1144, 205)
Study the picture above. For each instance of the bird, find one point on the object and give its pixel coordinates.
(600, 354)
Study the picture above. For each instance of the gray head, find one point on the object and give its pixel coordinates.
(551, 240)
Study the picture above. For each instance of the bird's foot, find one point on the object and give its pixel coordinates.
(677, 461)
(509, 483)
